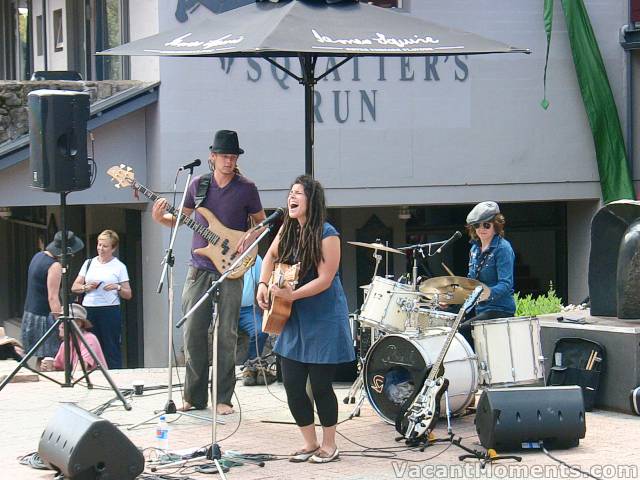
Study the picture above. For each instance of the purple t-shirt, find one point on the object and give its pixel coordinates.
(231, 204)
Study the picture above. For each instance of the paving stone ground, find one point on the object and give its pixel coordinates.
(262, 424)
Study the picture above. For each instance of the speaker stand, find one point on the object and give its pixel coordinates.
(71, 331)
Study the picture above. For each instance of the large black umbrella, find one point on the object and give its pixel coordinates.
(310, 29)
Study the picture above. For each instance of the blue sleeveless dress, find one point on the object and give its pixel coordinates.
(318, 330)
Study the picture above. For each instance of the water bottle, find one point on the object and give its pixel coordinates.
(162, 434)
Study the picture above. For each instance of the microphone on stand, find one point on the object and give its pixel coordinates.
(192, 165)
(271, 218)
(451, 239)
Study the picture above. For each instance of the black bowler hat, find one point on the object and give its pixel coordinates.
(74, 244)
(226, 141)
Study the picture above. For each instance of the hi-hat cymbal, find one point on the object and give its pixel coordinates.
(453, 289)
(376, 246)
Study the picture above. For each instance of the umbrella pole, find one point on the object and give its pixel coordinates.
(308, 64)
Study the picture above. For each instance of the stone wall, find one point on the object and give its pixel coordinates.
(14, 113)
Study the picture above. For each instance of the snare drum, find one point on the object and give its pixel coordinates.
(397, 365)
(427, 319)
(388, 305)
(509, 351)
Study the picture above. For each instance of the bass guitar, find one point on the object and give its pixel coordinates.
(279, 311)
(222, 240)
(419, 419)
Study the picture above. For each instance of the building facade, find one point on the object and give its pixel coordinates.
(403, 146)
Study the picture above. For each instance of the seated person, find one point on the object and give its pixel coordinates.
(250, 322)
(10, 347)
(79, 315)
(491, 261)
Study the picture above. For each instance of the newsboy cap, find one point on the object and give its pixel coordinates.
(483, 212)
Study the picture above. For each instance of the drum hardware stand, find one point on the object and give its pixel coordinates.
(419, 249)
(356, 389)
(71, 331)
(214, 452)
(378, 259)
(167, 272)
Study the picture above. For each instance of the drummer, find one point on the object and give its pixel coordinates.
(491, 261)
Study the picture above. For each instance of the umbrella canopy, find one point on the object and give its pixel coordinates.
(288, 29)
(309, 29)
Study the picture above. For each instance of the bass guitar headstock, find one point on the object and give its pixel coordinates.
(122, 175)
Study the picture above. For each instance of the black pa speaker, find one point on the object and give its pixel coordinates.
(507, 418)
(58, 138)
(83, 446)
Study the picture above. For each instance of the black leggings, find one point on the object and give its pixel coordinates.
(294, 376)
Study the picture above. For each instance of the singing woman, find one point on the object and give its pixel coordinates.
(317, 336)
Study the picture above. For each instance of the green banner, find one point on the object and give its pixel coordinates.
(613, 166)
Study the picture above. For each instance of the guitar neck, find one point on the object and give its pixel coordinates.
(433, 374)
(188, 221)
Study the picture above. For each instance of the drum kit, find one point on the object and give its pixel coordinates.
(408, 331)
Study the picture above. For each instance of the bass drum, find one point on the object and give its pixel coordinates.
(397, 366)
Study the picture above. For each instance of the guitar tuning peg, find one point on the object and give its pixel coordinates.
(129, 169)
(122, 165)
(117, 185)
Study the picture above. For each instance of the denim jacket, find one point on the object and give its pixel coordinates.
(496, 272)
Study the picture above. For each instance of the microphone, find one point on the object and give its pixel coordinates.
(451, 239)
(189, 166)
(271, 218)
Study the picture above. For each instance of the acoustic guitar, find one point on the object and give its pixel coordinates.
(279, 311)
(221, 249)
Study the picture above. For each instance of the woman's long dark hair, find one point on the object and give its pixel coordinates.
(305, 243)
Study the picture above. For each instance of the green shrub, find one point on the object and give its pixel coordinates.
(528, 306)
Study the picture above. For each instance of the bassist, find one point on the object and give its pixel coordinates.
(232, 198)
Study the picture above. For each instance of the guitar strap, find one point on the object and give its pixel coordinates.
(203, 188)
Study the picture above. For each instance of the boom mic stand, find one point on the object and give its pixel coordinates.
(71, 331)
(214, 453)
(167, 272)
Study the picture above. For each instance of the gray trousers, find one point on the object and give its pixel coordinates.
(196, 335)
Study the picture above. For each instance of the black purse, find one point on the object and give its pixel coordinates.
(80, 297)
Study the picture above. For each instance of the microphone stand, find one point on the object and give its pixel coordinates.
(419, 248)
(167, 272)
(214, 453)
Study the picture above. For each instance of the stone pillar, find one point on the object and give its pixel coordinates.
(628, 278)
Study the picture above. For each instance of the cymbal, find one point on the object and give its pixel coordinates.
(453, 289)
(376, 246)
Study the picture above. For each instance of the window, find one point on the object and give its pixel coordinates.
(111, 30)
(39, 36)
(58, 30)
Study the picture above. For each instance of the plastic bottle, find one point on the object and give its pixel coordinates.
(162, 434)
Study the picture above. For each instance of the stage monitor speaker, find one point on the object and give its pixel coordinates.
(507, 418)
(83, 446)
(58, 139)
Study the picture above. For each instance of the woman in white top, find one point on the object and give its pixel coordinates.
(104, 281)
